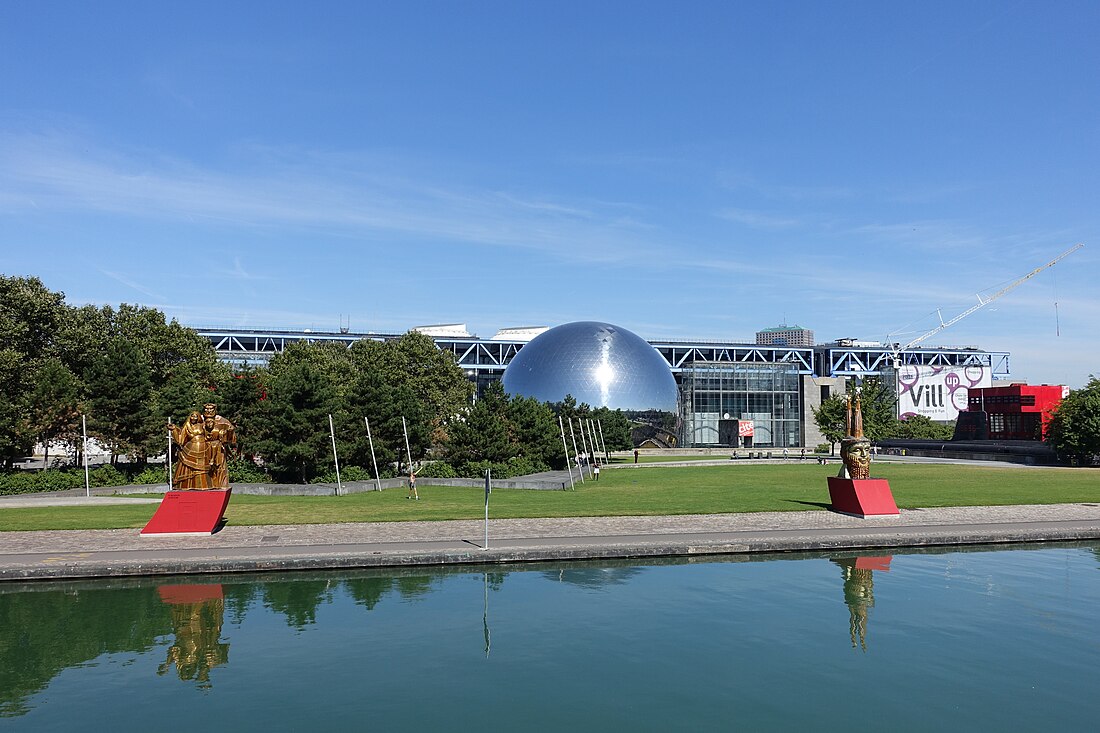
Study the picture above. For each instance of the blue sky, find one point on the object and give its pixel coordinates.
(698, 170)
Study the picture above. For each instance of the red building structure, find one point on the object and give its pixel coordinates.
(1012, 412)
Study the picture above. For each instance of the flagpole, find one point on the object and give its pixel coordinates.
(84, 430)
(169, 454)
(566, 446)
(377, 478)
(408, 452)
(488, 490)
(335, 458)
(575, 451)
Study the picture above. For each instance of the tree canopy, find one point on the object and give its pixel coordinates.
(1074, 429)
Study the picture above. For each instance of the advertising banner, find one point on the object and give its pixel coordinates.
(937, 392)
(745, 428)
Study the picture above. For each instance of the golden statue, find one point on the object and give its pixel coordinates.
(223, 437)
(205, 443)
(855, 450)
(193, 468)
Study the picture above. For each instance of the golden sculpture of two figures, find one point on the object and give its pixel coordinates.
(206, 442)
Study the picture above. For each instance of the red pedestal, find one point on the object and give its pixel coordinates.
(189, 512)
(862, 497)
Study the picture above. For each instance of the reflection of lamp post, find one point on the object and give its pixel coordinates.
(485, 615)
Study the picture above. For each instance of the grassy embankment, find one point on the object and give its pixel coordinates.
(642, 491)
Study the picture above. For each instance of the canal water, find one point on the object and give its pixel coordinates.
(987, 639)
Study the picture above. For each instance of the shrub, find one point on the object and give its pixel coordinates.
(150, 476)
(106, 475)
(244, 471)
(822, 448)
(347, 473)
(518, 466)
(438, 469)
(29, 482)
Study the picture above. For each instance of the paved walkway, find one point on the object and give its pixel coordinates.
(105, 553)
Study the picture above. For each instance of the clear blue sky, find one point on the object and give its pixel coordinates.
(694, 169)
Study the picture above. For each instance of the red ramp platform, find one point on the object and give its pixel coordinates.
(189, 512)
(866, 497)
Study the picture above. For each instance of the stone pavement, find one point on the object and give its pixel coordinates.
(107, 553)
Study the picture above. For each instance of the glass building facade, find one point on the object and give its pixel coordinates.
(715, 397)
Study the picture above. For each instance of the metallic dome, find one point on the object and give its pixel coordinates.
(597, 363)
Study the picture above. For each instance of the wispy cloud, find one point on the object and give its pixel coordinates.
(756, 219)
(130, 283)
(364, 197)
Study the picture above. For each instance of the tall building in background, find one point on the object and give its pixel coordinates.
(785, 336)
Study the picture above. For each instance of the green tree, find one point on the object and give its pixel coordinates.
(414, 361)
(616, 428)
(293, 439)
(54, 405)
(533, 431)
(830, 418)
(1074, 428)
(239, 396)
(119, 403)
(384, 405)
(483, 435)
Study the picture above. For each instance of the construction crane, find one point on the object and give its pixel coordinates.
(896, 348)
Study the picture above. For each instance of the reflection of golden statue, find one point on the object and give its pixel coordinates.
(855, 450)
(859, 594)
(223, 439)
(193, 469)
(197, 615)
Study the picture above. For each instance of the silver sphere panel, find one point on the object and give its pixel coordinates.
(597, 363)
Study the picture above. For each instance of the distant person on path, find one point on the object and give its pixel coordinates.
(635, 455)
(802, 456)
(412, 486)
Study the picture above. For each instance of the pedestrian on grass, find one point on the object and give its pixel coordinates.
(412, 486)
(596, 470)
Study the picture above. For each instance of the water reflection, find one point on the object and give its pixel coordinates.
(197, 615)
(859, 592)
(585, 622)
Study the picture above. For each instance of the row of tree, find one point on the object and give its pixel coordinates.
(880, 422)
(1073, 430)
(130, 372)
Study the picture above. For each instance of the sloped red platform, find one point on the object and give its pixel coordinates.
(862, 497)
(189, 512)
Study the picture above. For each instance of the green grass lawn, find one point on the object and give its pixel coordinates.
(642, 491)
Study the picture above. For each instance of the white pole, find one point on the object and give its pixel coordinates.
(575, 451)
(488, 490)
(84, 429)
(169, 454)
(335, 458)
(566, 446)
(592, 439)
(606, 455)
(408, 452)
(377, 478)
(584, 445)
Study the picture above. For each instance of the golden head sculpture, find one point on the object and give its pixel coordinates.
(855, 450)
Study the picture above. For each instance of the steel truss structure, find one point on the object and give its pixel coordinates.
(489, 357)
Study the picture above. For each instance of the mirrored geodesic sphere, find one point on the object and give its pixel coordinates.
(597, 363)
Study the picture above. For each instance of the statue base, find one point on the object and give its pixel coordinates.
(861, 498)
(189, 513)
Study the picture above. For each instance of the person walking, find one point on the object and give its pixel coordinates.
(596, 470)
(412, 486)
(635, 455)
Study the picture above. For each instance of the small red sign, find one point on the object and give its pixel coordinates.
(745, 428)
